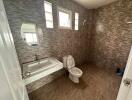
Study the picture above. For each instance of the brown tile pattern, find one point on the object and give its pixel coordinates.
(112, 37)
(53, 42)
(95, 84)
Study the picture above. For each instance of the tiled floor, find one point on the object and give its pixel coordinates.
(95, 84)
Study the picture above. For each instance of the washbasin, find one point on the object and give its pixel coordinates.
(39, 65)
(35, 67)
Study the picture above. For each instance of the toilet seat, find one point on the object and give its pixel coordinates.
(75, 71)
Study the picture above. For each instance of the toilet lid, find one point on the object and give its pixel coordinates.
(70, 62)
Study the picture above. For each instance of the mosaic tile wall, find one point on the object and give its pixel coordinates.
(105, 39)
(112, 37)
(53, 42)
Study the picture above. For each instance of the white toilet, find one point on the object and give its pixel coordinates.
(74, 72)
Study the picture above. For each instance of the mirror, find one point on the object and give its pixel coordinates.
(29, 34)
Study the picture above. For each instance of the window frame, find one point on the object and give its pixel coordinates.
(67, 12)
(52, 21)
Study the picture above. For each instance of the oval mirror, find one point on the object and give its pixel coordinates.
(29, 34)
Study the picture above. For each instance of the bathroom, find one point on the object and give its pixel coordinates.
(96, 37)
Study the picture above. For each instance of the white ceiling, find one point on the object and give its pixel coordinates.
(92, 4)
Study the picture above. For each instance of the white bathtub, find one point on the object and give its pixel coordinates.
(35, 70)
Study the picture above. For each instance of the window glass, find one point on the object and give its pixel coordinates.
(49, 24)
(48, 14)
(48, 6)
(65, 18)
(76, 21)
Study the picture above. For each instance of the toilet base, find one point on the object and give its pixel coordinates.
(73, 78)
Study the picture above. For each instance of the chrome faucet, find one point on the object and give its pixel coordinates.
(36, 58)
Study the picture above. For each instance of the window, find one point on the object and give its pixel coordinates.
(64, 18)
(48, 14)
(29, 35)
(76, 21)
